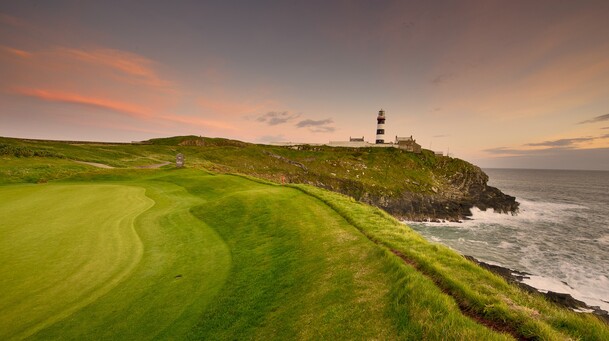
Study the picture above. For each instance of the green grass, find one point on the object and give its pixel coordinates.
(88, 253)
(474, 288)
(183, 264)
(185, 254)
(56, 259)
(376, 171)
(15, 170)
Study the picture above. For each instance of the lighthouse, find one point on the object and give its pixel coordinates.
(380, 127)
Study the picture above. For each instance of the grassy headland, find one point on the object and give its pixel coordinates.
(407, 185)
(133, 253)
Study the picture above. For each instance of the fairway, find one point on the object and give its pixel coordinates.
(185, 254)
(189, 255)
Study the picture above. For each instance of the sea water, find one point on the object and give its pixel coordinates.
(560, 235)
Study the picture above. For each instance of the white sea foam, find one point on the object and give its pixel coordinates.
(560, 233)
(530, 211)
(505, 245)
(584, 310)
(435, 239)
(545, 284)
(591, 295)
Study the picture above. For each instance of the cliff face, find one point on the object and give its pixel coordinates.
(409, 186)
(454, 202)
(466, 190)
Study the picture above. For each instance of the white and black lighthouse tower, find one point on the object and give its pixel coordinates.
(380, 127)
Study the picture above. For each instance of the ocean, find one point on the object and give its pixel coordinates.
(560, 236)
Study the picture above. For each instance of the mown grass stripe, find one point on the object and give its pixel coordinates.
(152, 302)
(104, 250)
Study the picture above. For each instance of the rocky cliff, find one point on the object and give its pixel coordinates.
(465, 191)
(407, 185)
(453, 202)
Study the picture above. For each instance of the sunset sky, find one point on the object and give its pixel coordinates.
(499, 83)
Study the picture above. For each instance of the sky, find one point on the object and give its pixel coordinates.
(516, 84)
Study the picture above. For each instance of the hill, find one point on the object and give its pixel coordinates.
(409, 186)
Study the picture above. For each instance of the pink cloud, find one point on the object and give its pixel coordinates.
(139, 68)
(131, 67)
(73, 98)
(128, 109)
(16, 52)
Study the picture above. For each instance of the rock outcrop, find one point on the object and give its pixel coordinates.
(453, 201)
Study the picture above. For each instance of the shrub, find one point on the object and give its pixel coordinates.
(23, 151)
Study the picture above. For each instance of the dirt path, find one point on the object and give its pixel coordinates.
(157, 165)
(101, 165)
(94, 164)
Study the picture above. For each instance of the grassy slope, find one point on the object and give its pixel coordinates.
(372, 170)
(223, 257)
(474, 288)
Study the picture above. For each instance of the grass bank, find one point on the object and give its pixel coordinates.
(476, 290)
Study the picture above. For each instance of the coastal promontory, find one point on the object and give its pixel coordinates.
(410, 186)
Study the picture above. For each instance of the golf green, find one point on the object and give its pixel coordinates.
(62, 247)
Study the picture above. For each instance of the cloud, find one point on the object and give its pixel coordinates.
(273, 118)
(507, 151)
(562, 142)
(77, 99)
(138, 68)
(600, 118)
(442, 78)
(605, 128)
(123, 108)
(98, 71)
(16, 52)
(552, 146)
(595, 158)
(313, 123)
(317, 126)
(323, 129)
(441, 135)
